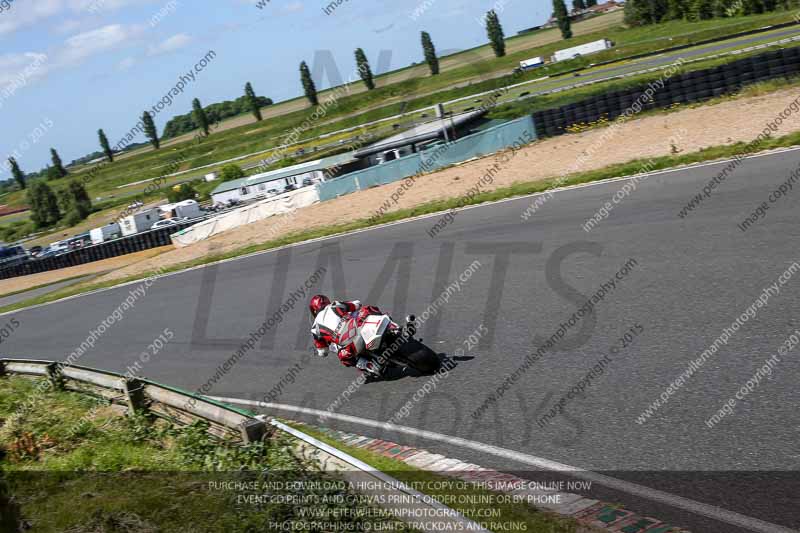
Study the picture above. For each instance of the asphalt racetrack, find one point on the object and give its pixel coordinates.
(690, 279)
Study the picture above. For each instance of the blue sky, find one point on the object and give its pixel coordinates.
(69, 67)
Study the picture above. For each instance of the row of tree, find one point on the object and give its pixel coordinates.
(201, 118)
(493, 29)
(249, 103)
(72, 204)
(643, 12)
(53, 172)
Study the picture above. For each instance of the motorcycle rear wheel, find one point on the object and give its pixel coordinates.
(419, 357)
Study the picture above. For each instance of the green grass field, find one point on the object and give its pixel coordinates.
(470, 72)
(72, 464)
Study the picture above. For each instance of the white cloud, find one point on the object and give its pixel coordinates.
(87, 44)
(29, 12)
(18, 69)
(126, 63)
(176, 42)
(293, 7)
(67, 26)
(24, 14)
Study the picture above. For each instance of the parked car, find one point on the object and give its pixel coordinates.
(167, 222)
(289, 187)
(307, 182)
(273, 192)
(35, 250)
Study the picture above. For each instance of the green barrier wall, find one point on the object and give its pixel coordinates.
(520, 131)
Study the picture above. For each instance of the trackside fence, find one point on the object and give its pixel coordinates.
(685, 88)
(96, 252)
(144, 396)
(438, 156)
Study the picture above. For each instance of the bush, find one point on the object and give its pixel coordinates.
(72, 218)
(16, 230)
(231, 172)
(181, 192)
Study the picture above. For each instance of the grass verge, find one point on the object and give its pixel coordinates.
(517, 189)
(70, 464)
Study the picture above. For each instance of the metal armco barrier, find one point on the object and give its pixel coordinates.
(143, 395)
(685, 88)
(96, 252)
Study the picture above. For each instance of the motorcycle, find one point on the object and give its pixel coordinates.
(387, 344)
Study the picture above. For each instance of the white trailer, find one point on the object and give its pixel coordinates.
(582, 50)
(138, 222)
(105, 233)
(531, 63)
(186, 208)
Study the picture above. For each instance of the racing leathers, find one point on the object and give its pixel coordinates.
(327, 327)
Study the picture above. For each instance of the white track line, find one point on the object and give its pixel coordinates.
(416, 219)
(679, 502)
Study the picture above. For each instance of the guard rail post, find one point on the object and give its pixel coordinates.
(253, 431)
(54, 376)
(134, 394)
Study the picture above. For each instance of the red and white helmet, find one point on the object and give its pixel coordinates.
(318, 303)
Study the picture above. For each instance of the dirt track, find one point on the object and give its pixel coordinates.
(727, 122)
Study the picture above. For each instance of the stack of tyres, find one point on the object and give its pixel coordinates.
(776, 67)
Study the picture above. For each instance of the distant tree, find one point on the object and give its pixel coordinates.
(105, 146)
(591, 3)
(751, 7)
(75, 203)
(720, 9)
(59, 168)
(643, 12)
(578, 5)
(44, 205)
(51, 173)
(495, 33)
(18, 175)
(362, 64)
(199, 116)
(181, 192)
(231, 172)
(677, 9)
(702, 9)
(150, 130)
(252, 101)
(562, 16)
(308, 84)
(430, 53)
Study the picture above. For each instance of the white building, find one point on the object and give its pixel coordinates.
(139, 221)
(276, 181)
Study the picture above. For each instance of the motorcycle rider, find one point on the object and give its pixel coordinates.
(328, 319)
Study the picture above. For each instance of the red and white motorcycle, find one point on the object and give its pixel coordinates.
(387, 344)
